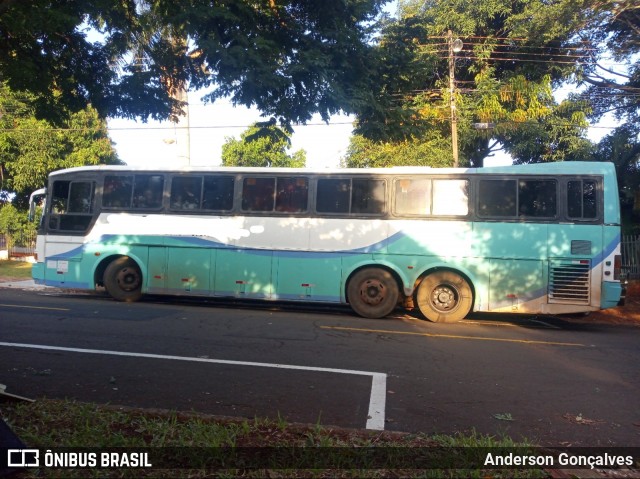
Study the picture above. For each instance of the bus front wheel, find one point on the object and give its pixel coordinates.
(123, 279)
(444, 297)
(373, 292)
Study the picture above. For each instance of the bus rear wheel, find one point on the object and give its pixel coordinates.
(444, 297)
(372, 293)
(123, 280)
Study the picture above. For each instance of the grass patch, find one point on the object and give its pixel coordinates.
(15, 270)
(196, 441)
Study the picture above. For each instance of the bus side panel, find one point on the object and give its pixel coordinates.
(576, 256)
(516, 286)
(612, 288)
(63, 265)
(510, 257)
(156, 279)
(189, 270)
(431, 238)
(308, 276)
(244, 273)
(180, 270)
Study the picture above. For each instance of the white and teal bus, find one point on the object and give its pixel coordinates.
(540, 239)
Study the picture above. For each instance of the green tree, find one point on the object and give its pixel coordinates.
(365, 153)
(262, 145)
(289, 58)
(14, 224)
(502, 80)
(30, 148)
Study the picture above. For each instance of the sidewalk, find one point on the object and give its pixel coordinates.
(23, 284)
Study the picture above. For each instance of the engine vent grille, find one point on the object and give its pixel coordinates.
(569, 281)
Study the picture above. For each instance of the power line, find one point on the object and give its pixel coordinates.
(162, 128)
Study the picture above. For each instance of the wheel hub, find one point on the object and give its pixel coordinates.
(444, 298)
(372, 292)
(128, 279)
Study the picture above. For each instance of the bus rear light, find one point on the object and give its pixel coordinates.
(617, 267)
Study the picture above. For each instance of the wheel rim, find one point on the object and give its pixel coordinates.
(444, 298)
(128, 279)
(373, 292)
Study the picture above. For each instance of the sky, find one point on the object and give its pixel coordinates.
(163, 144)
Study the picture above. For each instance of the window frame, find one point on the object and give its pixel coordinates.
(431, 179)
(385, 180)
(599, 198)
(130, 206)
(518, 216)
(171, 185)
(57, 217)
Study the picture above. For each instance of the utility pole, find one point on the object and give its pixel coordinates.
(183, 130)
(454, 46)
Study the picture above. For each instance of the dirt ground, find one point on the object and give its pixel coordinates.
(627, 314)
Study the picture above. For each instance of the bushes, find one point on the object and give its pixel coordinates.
(16, 226)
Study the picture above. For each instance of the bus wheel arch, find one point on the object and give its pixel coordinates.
(444, 295)
(373, 291)
(121, 277)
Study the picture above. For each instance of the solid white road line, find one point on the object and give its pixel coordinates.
(377, 400)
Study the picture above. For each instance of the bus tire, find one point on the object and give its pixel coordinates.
(372, 292)
(123, 279)
(444, 297)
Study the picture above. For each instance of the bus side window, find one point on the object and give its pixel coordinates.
(450, 198)
(582, 199)
(117, 191)
(60, 197)
(333, 195)
(147, 191)
(81, 197)
(367, 196)
(258, 194)
(537, 198)
(413, 197)
(292, 195)
(185, 193)
(71, 206)
(218, 193)
(497, 198)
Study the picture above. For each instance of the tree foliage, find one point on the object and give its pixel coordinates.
(262, 145)
(603, 40)
(503, 81)
(289, 58)
(515, 55)
(31, 148)
(365, 153)
(14, 224)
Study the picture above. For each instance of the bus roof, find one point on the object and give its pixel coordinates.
(568, 167)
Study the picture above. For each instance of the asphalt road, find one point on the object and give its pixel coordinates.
(553, 381)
